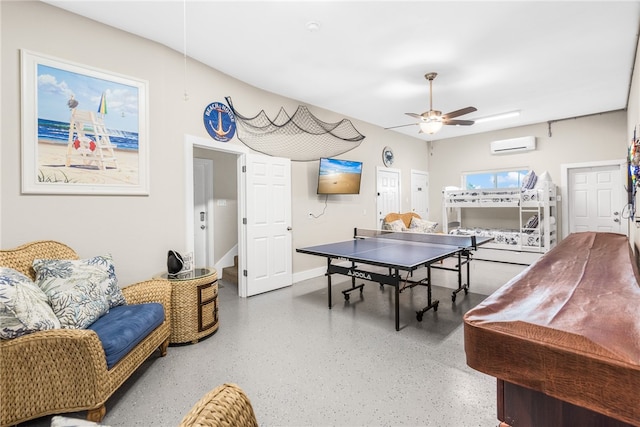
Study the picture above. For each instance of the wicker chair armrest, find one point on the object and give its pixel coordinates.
(68, 366)
(225, 405)
(154, 290)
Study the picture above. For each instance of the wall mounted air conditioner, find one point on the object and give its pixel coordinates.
(514, 145)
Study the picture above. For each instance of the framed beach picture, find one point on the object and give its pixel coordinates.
(84, 130)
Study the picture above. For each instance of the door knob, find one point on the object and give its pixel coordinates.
(616, 220)
(202, 227)
(289, 228)
(616, 213)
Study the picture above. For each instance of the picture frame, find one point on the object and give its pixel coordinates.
(84, 130)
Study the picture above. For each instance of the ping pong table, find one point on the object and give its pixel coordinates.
(397, 252)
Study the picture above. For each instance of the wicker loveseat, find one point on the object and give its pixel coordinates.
(65, 370)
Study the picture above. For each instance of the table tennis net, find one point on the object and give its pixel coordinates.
(436, 239)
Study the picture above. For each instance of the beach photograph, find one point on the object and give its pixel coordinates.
(339, 176)
(88, 130)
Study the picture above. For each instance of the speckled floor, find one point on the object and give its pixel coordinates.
(302, 364)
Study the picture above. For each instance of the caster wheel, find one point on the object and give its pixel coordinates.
(346, 297)
(453, 298)
(419, 316)
(466, 291)
(435, 307)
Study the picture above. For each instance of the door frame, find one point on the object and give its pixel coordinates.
(208, 190)
(191, 141)
(564, 183)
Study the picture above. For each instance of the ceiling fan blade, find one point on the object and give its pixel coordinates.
(458, 122)
(400, 126)
(459, 112)
(415, 115)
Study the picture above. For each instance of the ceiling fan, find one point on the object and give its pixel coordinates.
(432, 121)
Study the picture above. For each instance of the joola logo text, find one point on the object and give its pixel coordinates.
(359, 274)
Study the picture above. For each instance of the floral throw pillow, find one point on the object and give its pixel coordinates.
(24, 308)
(422, 226)
(74, 289)
(396, 225)
(109, 286)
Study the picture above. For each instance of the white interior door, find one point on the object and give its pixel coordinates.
(268, 262)
(203, 212)
(420, 193)
(595, 199)
(388, 190)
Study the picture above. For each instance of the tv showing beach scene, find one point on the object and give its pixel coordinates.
(89, 127)
(339, 176)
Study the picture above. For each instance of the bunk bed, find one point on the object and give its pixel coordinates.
(532, 208)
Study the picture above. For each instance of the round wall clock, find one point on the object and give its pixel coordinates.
(387, 156)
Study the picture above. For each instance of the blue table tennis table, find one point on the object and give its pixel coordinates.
(397, 252)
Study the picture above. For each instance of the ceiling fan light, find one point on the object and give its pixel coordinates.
(431, 126)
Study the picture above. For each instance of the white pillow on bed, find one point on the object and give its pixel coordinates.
(422, 226)
(542, 178)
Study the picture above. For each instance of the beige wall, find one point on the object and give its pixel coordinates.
(138, 231)
(587, 139)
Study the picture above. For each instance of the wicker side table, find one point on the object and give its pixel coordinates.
(194, 305)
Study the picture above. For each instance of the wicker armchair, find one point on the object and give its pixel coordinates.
(225, 406)
(65, 370)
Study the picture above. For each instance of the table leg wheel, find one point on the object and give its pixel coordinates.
(453, 298)
(435, 307)
(419, 316)
(346, 297)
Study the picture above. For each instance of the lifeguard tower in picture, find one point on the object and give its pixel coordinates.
(89, 141)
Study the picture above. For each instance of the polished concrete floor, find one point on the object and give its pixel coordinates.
(302, 364)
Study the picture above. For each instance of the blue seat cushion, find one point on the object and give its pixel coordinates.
(124, 326)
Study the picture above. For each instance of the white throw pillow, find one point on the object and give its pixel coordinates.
(62, 421)
(24, 308)
(542, 178)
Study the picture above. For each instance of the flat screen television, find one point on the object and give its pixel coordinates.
(337, 176)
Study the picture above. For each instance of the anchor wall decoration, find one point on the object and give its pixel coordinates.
(220, 126)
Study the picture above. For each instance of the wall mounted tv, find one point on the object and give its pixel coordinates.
(337, 176)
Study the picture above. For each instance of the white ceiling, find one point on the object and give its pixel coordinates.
(550, 60)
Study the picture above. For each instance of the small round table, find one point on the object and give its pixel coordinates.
(194, 304)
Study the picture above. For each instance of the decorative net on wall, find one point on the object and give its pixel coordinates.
(301, 137)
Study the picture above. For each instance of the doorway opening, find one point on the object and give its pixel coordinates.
(260, 225)
(227, 169)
